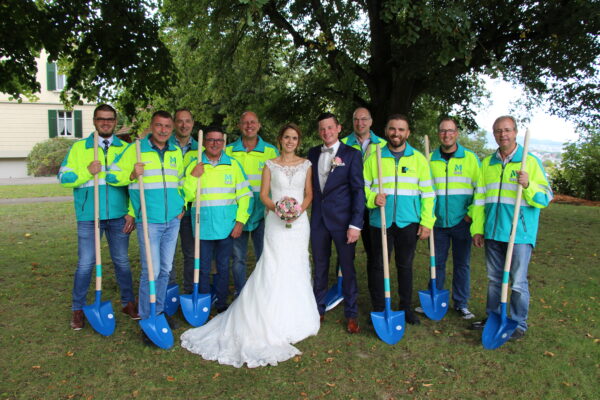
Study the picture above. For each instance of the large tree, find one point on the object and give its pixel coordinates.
(389, 55)
(103, 46)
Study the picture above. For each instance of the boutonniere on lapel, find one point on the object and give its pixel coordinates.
(336, 162)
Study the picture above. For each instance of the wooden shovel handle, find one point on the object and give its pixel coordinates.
(515, 221)
(97, 217)
(140, 178)
(197, 214)
(431, 239)
(384, 246)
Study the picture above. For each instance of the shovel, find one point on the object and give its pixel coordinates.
(334, 295)
(388, 324)
(195, 306)
(434, 302)
(172, 299)
(99, 314)
(498, 327)
(155, 326)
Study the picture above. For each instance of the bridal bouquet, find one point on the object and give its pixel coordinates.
(288, 209)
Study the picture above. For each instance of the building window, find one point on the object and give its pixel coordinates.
(65, 124)
(55, 81)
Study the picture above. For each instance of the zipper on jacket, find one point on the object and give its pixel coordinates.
(498, 202)
(397, 161)
(162, 168)
(446, 199)
(84, 200)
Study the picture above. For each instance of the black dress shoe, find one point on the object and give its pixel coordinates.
(411, 318)
(478, 325)
(517, 334)
(146, 340)
(222, 309)
(172, 322)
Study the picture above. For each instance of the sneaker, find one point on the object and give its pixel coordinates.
(77, 321)
(419, 310)
(131, 310)
(465, 313)
(517, 334)
(478, 325)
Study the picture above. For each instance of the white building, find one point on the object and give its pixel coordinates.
(27, 123)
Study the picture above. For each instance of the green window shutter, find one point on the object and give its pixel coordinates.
(51, 75)
(78, 129)
(52, 129)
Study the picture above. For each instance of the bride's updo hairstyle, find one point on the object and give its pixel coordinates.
(284, 128)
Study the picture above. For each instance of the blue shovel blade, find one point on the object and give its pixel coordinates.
(101, 317)
(195, 312)
(389, 325)
(497, 330)
(158, 330)
(334, 295)
(435, 305)
(172, 299)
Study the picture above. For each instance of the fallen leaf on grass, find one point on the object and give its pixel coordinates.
(135, 393)
(303, 394)
(70, 354)
(36, 367)
(330, 384)
(549, 353)
(588, 335)
(329, 351)
(437, 332)
(215, 376)
(297, 359)
(171, 378)
(567, 384)
(34, 264)
(428, 384)
(27, 235)
(329, 359)
(596, 340)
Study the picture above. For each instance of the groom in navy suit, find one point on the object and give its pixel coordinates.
(337, 213)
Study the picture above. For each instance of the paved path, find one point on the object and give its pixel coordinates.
(32, 181)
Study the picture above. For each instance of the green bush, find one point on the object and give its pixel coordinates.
(45, 157)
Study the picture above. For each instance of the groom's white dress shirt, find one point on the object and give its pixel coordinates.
(327, 154)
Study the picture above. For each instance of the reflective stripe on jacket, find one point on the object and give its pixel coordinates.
(351, 141)
(225, 196)
(253, 163)
(494, 206)
(74, 174)
(162, 180)
(408, 186)
(455, 183)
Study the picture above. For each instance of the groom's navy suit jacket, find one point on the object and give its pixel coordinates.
(342, 201)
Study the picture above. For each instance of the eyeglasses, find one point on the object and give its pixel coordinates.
(211, 140)
(505, 130)
(450, 131)
(105, 119)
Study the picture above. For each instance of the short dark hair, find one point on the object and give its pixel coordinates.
(182, 110)
(213, 128)
(395, 117)
(327, 115)
(451, 119)
(105, 107)
(284, 128)
(162, 114)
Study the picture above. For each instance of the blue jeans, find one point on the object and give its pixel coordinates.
(495, 254)
(163, 241)
(221, 249)
(240, 253)
(460, 238)
(118, 244)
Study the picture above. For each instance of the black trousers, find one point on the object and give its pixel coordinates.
(403, 241)
(186, 241)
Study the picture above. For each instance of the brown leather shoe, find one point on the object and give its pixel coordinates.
(131, 310)
(322, 318)
(353, 325)
(77, 321)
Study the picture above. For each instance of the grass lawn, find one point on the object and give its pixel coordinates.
(43, 359)
(44, 190)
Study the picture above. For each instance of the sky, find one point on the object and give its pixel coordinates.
(542, 125)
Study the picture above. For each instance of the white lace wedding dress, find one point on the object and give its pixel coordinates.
(276, 307)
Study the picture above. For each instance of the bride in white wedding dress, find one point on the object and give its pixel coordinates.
(276, 307)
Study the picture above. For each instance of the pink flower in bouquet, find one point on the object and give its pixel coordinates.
(288, 209)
